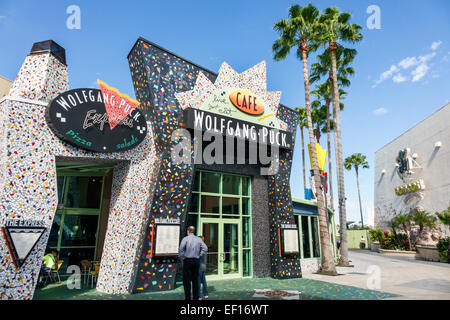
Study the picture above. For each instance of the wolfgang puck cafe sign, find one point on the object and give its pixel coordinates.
(102, 120)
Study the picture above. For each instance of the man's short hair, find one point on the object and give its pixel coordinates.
(191, 229)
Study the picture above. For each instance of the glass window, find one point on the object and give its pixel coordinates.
(210, 204)
(246, 232)
(247, 263)
(73, 256)
(60, 184)
(315, 237)
(79, 230)
(245, 186)
(54, 232)
(210, 182)
(230, 205)
(305, 237)
(245, 206)
(230, 184)
(84, 192)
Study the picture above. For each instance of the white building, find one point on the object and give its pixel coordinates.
(413, 169)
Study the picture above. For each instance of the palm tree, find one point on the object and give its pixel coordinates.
(323, 92)
(300, 31)
(444, 217)
(335, 27)
(319, 118)
(357, 160)
(423, 219)
(302, 123)
(394, 225)
(404, 219)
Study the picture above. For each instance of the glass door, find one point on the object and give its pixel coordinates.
(210, 230)
(224, 240)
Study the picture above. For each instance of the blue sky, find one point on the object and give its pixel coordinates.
(402, 69)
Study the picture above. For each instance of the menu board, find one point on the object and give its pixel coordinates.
(167, 239)
(290, 241)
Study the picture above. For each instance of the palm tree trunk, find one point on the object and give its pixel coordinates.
(328, 266)
(405, 229)
(343, 260)
(359, 196)
(303, 159)
(331, 205)
(318, 134)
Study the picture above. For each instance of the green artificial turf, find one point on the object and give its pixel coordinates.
(236, 289)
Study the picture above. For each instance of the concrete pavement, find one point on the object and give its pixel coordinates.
(404, 276)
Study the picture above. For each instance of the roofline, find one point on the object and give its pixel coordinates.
(308, 202)
(447, 104)
(170, 52)
(6, 79)
(180, 57)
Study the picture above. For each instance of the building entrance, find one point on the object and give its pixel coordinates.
(224, 240)
(220, 208)
(83, 203)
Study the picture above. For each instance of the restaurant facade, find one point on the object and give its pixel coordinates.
(102, 177)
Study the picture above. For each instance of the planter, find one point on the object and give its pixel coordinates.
(398, 253)
(429, 253)
(375, 246)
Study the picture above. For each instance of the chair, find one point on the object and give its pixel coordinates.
(94, 273)
(50, 273)
(58, 266)
(85, 268)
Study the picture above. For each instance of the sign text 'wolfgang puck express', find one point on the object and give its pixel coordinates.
(102, 120)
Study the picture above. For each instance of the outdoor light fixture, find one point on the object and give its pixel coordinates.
(414, 156)
(397, 165)
(383, 171)
(438, 144)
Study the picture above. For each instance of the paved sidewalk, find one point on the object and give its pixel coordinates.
(404, 276)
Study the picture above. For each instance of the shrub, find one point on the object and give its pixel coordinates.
(443, 247)
(376, 235)
(389, 241)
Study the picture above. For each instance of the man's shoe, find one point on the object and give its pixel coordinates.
(206, 297)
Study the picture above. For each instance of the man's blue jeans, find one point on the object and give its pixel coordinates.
(202, 282)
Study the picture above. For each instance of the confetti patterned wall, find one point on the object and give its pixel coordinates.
(157, 76)
(280, 204)
(29, 191)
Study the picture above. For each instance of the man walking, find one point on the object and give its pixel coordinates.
(191, 249)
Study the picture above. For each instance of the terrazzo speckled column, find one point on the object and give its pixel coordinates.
(29, 192)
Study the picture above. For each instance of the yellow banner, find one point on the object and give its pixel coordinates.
(321, 157)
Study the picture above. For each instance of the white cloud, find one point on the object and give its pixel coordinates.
(425, 58)
(419, 72)
(386, 75)
(399, 78)
(435, 45)
(408, 62)
(380, 111)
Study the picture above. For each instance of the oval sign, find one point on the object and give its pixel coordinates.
(247, 102)
(79, 117)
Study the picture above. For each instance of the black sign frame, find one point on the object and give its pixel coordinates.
(189, 123)
(79, 117)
